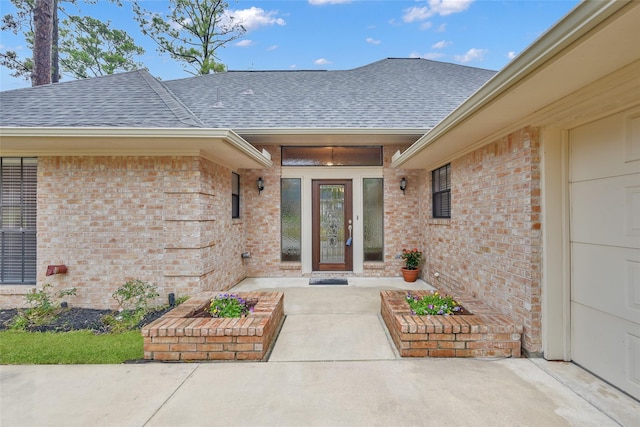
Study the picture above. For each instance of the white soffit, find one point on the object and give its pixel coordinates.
(331, 136)
(594, 40)
(222, 146)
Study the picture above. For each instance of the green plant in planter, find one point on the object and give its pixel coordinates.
(433, 304)
(229, 305)
(411, 258)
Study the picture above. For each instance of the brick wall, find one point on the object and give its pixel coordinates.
(491, 246)
(261, 213)
(167, 220)
(402, 221)
(163, 220)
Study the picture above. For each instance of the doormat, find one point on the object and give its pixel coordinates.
(322, 281)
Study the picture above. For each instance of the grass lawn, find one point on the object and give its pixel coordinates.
(77, 347)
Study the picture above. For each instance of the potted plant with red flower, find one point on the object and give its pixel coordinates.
(412, 259)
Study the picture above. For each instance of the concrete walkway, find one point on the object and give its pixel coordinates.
(333, 381)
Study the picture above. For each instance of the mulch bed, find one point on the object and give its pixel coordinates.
(75, 318)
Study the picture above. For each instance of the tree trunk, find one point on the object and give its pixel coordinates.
(43, 23)
(55, 62)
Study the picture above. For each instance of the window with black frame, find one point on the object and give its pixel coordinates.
(18, 209)
(441, 196)
(235, 195)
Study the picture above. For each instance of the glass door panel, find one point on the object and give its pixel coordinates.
(332, 225)
(332, 239)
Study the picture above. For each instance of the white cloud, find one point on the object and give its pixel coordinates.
(435, 7)
(428, 55)
(447, 7)
(441, 44)
(273, 47)
(416, 14)
(244, 43)
(472, 54)
(511, 55)
(321, 61)
(323, 2)
(180, 25)
(255, 17)
(16, 48)
(426, 25)
(372, 41)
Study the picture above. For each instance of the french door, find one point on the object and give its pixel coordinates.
(332, 225)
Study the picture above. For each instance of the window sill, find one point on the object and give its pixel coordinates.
(14, 289)
(439, 221)
(290, 265)
(374, 265)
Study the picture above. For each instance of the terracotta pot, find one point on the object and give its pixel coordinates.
(410, 275)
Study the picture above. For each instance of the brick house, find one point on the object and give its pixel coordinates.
(522, 187)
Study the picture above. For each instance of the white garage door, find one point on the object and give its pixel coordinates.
(605, 248)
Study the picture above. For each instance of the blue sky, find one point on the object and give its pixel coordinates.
(343, 34)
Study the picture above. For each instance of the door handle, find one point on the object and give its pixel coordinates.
(350, 239)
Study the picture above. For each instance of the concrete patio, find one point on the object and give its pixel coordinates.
(341, 376)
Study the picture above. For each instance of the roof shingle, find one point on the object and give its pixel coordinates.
(392, 93)
(131, 99)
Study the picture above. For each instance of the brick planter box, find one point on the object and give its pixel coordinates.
(480, 334)
(179, 336)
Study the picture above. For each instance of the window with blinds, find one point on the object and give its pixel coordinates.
(18, 190)
(441, 184)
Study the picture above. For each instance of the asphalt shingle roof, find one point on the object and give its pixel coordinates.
(132, 99)
(392, 93)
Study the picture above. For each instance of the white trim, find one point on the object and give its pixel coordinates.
(307, 175)
(42, 141)
(555, 283)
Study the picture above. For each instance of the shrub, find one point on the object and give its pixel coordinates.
(181, 299)
(134, 299)
(135, 295)
(44, 307)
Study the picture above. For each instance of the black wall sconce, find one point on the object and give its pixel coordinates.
(260, 185)
(403, 184)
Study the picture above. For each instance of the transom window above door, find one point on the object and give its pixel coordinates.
(332, 156)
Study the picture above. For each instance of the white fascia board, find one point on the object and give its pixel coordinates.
(231, 138)
(582, 19)
(99, 132)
